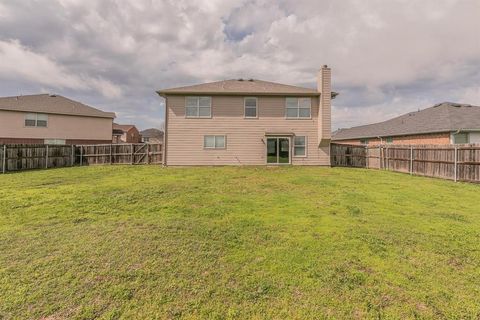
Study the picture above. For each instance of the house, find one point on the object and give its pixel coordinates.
(52, 119)
(125, 133)
(152, 135)
(248, 122)
(444, 123)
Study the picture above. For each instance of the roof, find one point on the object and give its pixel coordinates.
(52, 104)
(443, 117)
(152, 133)
(122, 127)
(241, 87)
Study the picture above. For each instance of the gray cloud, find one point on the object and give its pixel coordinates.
(387, 57)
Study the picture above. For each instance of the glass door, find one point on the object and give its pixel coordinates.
(278, 150)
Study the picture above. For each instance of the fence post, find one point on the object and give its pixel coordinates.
(4, 160)
(367, 158)
(131, 155)
(111, 153)
(411, 159)
(81, 155)
(72, 160)
(148, 154)
(455, 165)
(46, 157)
(380, 156)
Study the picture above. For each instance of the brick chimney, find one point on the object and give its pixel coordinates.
(324, 86)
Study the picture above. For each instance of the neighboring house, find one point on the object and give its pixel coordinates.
(125, 133)
(52, 119)
(444, 123)
(248, 122)
(152, 135)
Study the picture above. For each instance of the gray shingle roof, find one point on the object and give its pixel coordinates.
(241, 87)
(53, 104)
(443, 117)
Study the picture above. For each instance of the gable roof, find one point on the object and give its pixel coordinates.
(443, 117)
(152, 133)
(241, 87)
(123, 127)
(52, 104)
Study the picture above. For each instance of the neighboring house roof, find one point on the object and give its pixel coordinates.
(52, 104)
(241, 87)
(122, 127)
(443, 117)
(152, 133)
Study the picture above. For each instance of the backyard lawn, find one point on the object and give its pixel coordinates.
(141, 242)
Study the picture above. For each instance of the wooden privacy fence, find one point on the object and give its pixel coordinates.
(17, 157)
(133, 153)
(455, 162)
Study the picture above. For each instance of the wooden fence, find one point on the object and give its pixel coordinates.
(133, 153)
(458, 163)
(18, 157)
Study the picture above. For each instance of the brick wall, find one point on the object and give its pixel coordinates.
(430, 138)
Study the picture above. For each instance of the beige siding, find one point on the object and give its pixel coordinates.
(12, 125)
(246, 143)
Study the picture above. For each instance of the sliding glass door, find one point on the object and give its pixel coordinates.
(278, 150)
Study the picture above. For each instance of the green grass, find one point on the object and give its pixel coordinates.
(225, 243)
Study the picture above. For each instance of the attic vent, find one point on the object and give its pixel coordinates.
(240, 79)
(52, 95)
(251, 80)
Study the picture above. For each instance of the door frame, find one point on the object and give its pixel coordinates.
(278, 146)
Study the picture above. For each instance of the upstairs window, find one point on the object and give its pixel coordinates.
(250, 104)
(461, 138)
(298, 108)
(198, 107)
(36, 120)
(389, 139)
(364, 141)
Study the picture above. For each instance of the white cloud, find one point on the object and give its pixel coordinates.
(18, 61)
(388, 57)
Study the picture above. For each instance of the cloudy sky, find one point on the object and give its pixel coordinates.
(387, 57)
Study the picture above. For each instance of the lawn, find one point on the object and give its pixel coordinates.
(233, 243)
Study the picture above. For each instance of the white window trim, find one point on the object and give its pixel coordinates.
(215, 141)
(198, 108)
(306, 147)
(36, 120)
(298, 108)
(245, 108)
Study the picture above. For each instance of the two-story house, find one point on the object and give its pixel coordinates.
(248, 122)
(52, 119)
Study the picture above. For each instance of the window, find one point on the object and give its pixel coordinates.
(36, 120)
(389, 139)
(300, 146)
(250, 105)
(298, 108)
(214, 142)
(364, 141)
(198, 107)
(460, 138)
(54, 141)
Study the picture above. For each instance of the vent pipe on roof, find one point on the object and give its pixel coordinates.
(240, 79)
